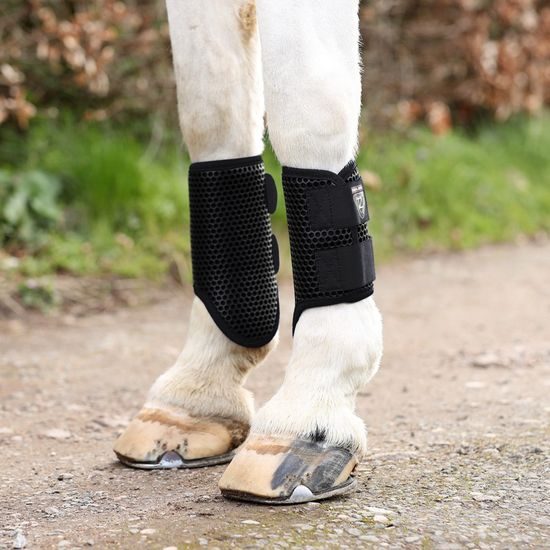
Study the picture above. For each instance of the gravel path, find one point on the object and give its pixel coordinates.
(458, 423)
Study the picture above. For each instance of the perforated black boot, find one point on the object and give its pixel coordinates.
(234, 253)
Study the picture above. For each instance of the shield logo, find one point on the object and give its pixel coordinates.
(359, 199)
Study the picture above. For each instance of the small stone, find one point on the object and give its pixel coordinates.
(56, 433)
(369, 538)
(148, 532)
(134, 531)
(109, 422)
(354, 531)
(480, 497)
(170, 548)
(372, 510)
(474, 385)
(5, 431)
(20, 540)
(250, 522)
(493, 453)
(63, 544)
(380, 518)
(486, 360)
(52, 511)
(62, 477)
(203, 542)
(412, 538)
(303, 526)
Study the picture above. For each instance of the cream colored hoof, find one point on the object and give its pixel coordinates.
(274, 470)
(167, 438)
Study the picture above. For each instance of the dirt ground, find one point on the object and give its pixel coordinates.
(458, 422)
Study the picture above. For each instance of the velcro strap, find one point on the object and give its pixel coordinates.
(270, 193)
(345, 268)
(331, 250)
(334, 207)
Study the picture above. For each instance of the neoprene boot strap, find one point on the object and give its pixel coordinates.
(331, 249)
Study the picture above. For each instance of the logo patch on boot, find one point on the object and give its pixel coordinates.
(358, 195)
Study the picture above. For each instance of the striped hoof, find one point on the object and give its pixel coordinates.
(276, 470)
(166, 438)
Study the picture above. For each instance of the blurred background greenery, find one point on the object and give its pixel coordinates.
(455, 138)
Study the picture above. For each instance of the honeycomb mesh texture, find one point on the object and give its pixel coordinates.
(304, 241)
(231, 249)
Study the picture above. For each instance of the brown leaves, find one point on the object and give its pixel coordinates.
(438, 115)
(470, 56)
(13, 102)
(87, 51)
(438, 61)
(85, 42)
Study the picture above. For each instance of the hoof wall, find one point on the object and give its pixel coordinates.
(270, 470)
(167, 439)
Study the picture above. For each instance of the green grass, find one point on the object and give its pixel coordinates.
(460, 191)
(125, 212)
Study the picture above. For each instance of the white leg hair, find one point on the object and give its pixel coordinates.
(207, 378)
(337, 350)
(216, 53)
(312, 80)
(310, 56)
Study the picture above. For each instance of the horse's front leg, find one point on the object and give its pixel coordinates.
(198, 412)
(307, 439)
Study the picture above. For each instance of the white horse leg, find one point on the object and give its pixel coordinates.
(198, 410)
(310, 57)
(216, 54)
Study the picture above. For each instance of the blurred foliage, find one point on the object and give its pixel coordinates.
(122, 200)
(104, 58)
(119, 206)
(455, 61)
(93, 181)
(442, 61)
(38, 295)
(29, 207)
(460, 190)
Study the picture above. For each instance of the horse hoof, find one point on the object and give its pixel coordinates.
(277, 470)
(167, 439)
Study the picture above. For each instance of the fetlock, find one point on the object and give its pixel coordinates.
(208, 377)
(197, 412)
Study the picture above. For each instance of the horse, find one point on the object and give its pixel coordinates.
(293, 66)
